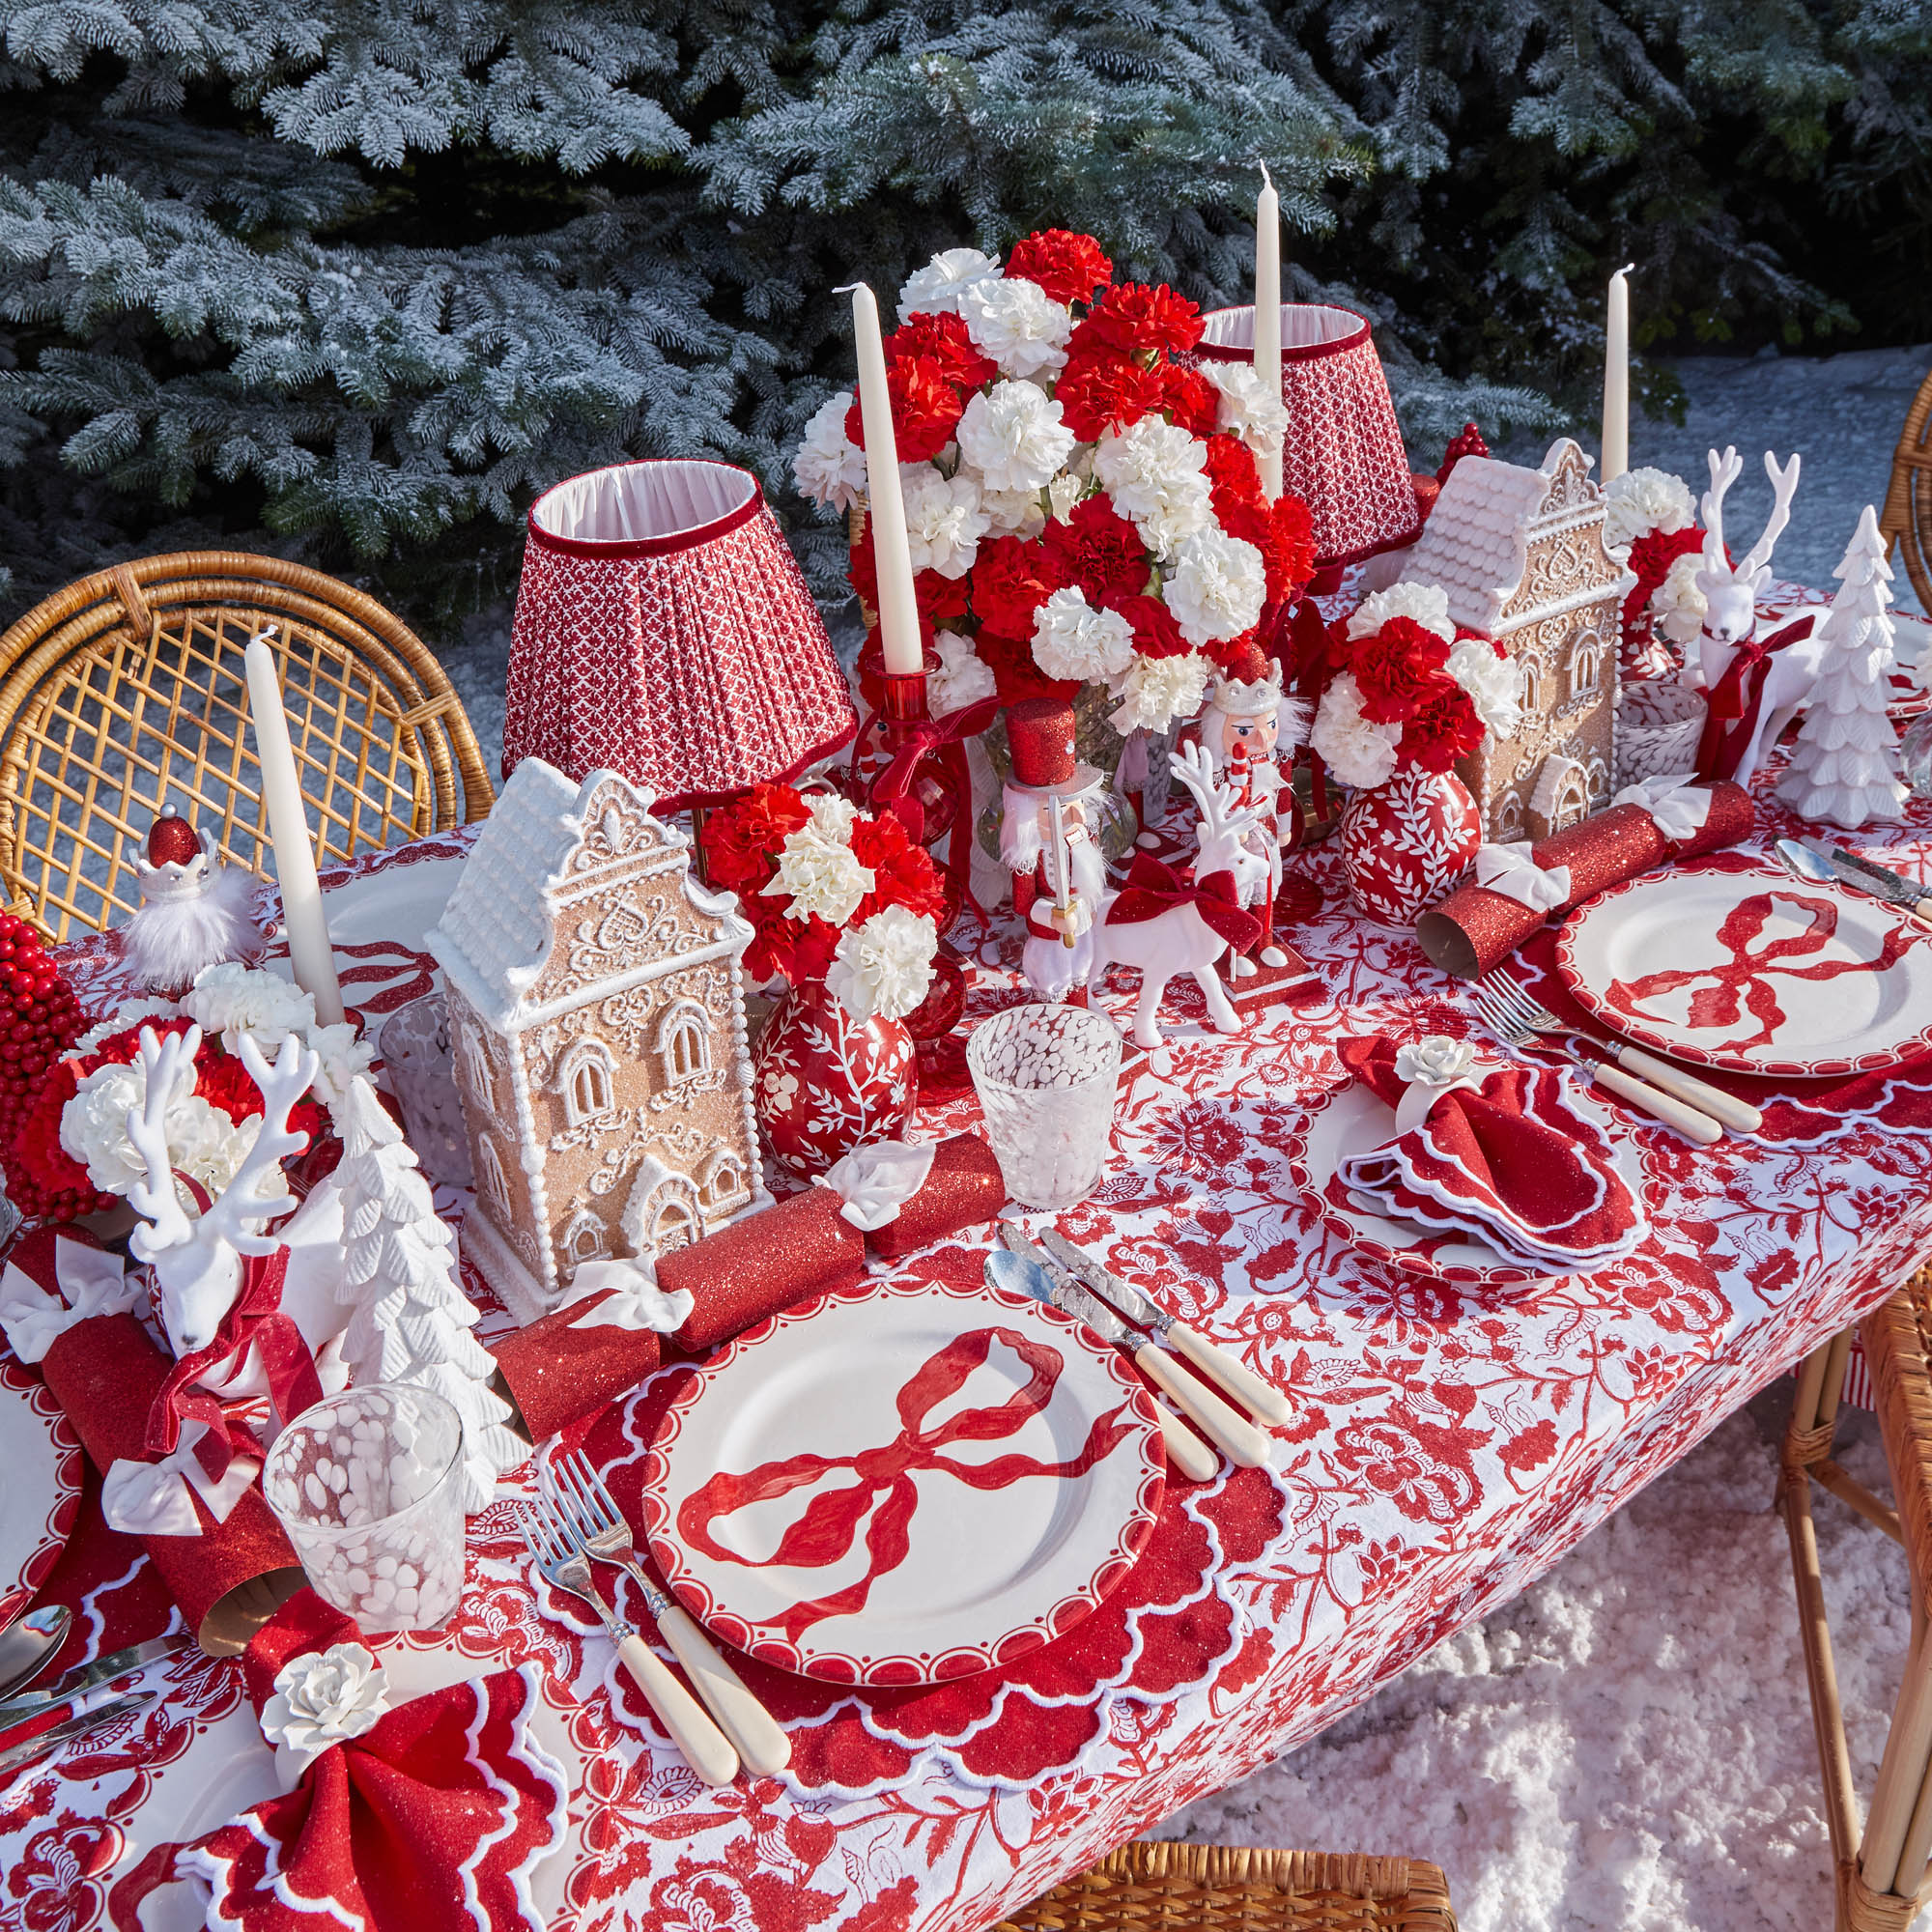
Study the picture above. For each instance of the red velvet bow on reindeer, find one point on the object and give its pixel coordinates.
(1737, 698)
(939, 743)
(1152, 888)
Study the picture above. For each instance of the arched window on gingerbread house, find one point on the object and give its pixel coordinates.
(662, 1212)
(1531, 690)
(490, 1181)
(720, 1180)
(1506, 817)
(585, 1238)
(684, 1042)
(674, 1225)
(586, 1078)
(1586, 665)
(477, 1073)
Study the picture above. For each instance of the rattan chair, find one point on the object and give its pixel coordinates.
(126, 692)
(1164, 1888)
(1882, 1874)
(1908, 501)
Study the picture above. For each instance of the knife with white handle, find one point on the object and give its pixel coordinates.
(1229, 1432)
(1232, 1378)
(1739, 1116)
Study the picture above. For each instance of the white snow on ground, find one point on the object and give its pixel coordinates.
(1628, 1743)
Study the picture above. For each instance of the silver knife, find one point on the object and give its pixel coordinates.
(85, 1677)
(1884, 883)
(1233, 1433)
(70, 1728)
(1232, 1377)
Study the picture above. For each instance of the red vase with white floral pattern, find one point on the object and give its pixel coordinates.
(1406, 841)
(827, 1083)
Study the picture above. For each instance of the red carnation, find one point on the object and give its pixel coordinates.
(797, 951)
(1139, 319)
(1156, 633)
(1231, 474)
(742, 839)
(1283, 532)
(1011, 579)
(943, 339)
(1651, 557)
(1097, 549)
(1107, 392)
(1397, 667)
(1442, 727)
(1192, 401)
(1015, 674)
(1068, 267)
(941, 599)
(904, 873)
(927, 409)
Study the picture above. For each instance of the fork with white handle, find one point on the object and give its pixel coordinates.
(705, 1748)
(1519, 1037)
(1739, 1116)
(578, 1495)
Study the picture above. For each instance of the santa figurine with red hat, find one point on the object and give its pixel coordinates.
(194, 910)
(1247, 725)
(1049, 813)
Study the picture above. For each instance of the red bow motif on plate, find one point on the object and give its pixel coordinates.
(1152, 888)
(1739, 983)
(828, 1525)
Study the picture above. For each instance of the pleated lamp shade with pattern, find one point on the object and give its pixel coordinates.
(663, 631)
(1344, 456)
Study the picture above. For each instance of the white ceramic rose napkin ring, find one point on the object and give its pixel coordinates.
(1433, 1068)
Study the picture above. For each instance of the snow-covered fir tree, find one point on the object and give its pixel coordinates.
(412, 1320)
(1844, 768)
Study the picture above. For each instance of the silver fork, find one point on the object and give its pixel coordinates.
(1725, 1108)
(705, 1748)
(1666, 1107)
(578, 1495)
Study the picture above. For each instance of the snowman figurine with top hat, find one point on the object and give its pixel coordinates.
(1049, 826)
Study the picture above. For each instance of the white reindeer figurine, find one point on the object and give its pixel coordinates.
(1181, 940)
(1730, 617)
(198, 1262)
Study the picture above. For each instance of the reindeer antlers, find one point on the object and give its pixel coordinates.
(164, 1063)
(1783, 487)
(1725, 470)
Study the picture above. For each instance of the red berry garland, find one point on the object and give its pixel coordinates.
(39, 1020)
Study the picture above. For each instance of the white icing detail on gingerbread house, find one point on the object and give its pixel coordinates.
(1562, 796)
(579, 954)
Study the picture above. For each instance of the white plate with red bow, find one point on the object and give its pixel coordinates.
(42, 1457)
(1749, 970)
(902, 1483)
(1351, 1120)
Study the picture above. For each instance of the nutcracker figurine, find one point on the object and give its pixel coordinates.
(1248, 723)
(1049, 809)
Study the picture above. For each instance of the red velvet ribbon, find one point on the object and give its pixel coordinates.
(824, 1533)
(1734, 703)
(943, 741)
(1152, 888)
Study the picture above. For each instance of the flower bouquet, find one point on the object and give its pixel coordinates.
(1650, 523)
(1082, 502)
(845, 910)
(1408, 694)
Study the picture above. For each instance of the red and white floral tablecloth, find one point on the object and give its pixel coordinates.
(1445, 1451)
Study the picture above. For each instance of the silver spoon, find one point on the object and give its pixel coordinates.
(29, 1646)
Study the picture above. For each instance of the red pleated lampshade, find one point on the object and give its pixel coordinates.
(663, 631)
(1344, 456)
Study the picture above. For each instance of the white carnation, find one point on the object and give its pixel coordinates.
(1359, 751)
(830, 467)
(1215, 588)
(884, 966)
(833, 815)
(944, 519)
(343, 1054)
(1157, 692)
(1677, 603)
(1014, 513)
(821, 875)
(936, 288)
(1248, 410)
(962, 679)
(203, 1141)
(1014, 435)
(233, 1000)
(1071, 639)
(1154, 473)
(1494, 685)
(1018, 324)
(1427, 604)
(1066, 490)
(1642, 501)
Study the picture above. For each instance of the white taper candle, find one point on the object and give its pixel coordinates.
(885, 507)
(1616, 380)
(309, 950)
(1267, 314)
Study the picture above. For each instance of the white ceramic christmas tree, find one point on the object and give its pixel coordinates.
(412, 1319)
(1845, 767)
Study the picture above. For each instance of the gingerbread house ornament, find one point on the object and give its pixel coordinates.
(1520, 553)
(597, 1014)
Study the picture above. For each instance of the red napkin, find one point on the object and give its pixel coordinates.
(1513, 1164)
(434, 1819)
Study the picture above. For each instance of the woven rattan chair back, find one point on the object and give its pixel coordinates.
(126, 692)
(1165, 1888)
(1908, 501)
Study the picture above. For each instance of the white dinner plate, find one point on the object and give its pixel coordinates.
(1352, 1120)
(395, 902)
(902, 1481)
(41, 1454)
(1752, 971)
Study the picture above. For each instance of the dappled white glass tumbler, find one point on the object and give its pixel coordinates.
(421, 1065)
(1046, 1077)
(365, 1484)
